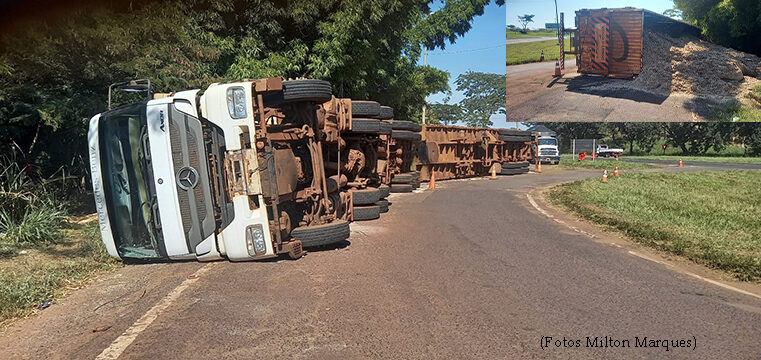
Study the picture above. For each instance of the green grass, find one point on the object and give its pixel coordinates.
(569, 162)
(739, 112)
(710, 217)
(51, 271)
(511, 35)
(688, 158)
(530, 52)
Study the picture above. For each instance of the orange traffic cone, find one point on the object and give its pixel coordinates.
(615, 172)
(494, 171)
(557, 68)
(605, 175)
(680, 163)
(616, 157)
(539, 167)
(432, 181)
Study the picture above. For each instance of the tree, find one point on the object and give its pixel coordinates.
(732, 23)
(49, 91)
(484, 97)
(446, 114)
(524, 20)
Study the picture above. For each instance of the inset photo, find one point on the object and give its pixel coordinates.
(620, 61)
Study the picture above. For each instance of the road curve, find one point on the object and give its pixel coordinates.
(707, 165)
(471, 270)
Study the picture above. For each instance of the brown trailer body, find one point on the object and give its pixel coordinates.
(611, 41)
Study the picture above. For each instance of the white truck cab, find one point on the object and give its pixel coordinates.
(179, 177)
(548, 151)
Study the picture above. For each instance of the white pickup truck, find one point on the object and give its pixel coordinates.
(604, 151)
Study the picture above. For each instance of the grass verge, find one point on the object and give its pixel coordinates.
(710, 217)
(530, 52)
(737, 111)
(687, 158)
(569, 162)
(31, 274)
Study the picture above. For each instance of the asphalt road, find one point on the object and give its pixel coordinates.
(707, 165)
(527, 40)
(533, 94)
(471, 270)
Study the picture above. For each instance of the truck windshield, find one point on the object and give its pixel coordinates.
(127, 180)
(553, 142)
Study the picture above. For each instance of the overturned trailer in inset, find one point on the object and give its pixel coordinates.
(609, 42)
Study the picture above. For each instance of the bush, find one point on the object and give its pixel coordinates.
(30, 211)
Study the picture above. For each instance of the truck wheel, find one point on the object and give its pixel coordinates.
(385, 190)
(404, 125)
(513, 132)
(515, 165)
(366, 126)
(367, 196)
(405, 135)
(415, 184)
(362, 108)
(307, 90)
(324, 234)
(383, 205)
(369, 212)
(385, 128)
(404, 178)
(401, 188)
(512, 138)
(386, 112)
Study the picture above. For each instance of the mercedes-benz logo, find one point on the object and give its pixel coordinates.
(187, 178)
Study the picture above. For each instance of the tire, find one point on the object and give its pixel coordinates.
(366, 126)
(513, 171)
(515, 165)
(307, 90)
(513, 132)
(401, 188)
(362, 108)
(404, 178)
(405, 135)
(386, 112)
(383, 205)
(415, 185)
(324, 234)
(385, 190)
(511, 138)
(385, 128)
(368, 212)
(404, 125)
(367, 196)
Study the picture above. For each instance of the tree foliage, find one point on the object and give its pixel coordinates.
(524, 20)
(732, 23)
(690, 138)
(54, 71)
(484, 97)
(446, 114)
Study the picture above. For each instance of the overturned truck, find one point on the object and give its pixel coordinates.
(451, 152)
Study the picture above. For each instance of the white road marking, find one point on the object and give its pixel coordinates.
(713, 282)
(121, 343)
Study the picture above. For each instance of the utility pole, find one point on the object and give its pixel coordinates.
(557, 22)
(425, 63)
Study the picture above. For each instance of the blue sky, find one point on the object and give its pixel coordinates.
(545, 9)
(481, 49)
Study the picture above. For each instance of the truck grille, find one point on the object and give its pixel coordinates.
(195, 203)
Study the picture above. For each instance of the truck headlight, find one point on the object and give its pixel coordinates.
(255, 240)
(236, 102)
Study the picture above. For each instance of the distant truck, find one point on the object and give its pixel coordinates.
(604, 151)
(547, 150)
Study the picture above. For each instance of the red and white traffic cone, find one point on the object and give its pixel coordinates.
(605, 175)
(557, 68)
(681, 164)
(615, 172)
